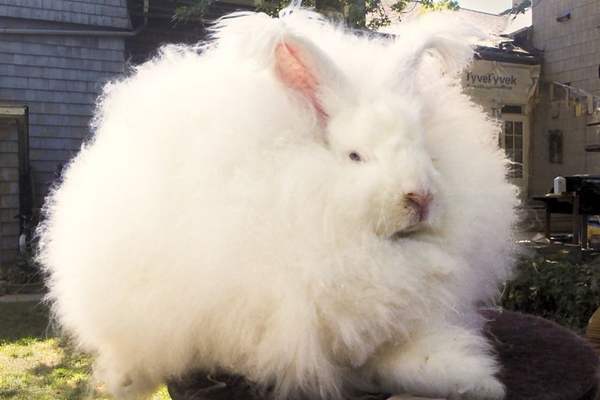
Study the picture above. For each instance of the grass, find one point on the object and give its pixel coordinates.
(35, 364)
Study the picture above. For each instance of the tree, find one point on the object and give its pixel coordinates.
(352, 11)
(381, 18)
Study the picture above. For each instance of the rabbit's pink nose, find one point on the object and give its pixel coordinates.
(420, 201)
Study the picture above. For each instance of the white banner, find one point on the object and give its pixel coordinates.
(500, 83)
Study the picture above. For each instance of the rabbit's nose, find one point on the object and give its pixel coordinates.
(420, 201)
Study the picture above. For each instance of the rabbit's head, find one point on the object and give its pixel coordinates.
(382, 143)
(377, 136)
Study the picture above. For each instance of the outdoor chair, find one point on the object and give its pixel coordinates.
(540, 361)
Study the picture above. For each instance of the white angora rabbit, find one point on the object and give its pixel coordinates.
(314, 209)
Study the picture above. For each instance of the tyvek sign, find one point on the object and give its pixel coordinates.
(491, 80)
(503, 83)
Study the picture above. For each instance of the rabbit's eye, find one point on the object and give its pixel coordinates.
(354, 156)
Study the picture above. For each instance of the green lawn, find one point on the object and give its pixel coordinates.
(37, 365)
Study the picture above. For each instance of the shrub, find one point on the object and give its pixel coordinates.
(24, 271)
(555, 285)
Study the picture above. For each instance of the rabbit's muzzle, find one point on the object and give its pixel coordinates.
(407, 214)
(419, 202)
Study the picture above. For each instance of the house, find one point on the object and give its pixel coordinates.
(557, 131)
(55, 57)
(566, 126)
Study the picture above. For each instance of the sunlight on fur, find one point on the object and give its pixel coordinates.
(318, 211)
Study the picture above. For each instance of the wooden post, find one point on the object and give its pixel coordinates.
(583, 231)
(548, 227)
(576, 220)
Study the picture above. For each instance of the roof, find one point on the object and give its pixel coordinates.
(506, 52)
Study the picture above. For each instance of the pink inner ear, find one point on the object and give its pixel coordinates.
(295, 74)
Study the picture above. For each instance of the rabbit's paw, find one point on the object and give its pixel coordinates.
(487, 388)
(451, 363)
(472, 376)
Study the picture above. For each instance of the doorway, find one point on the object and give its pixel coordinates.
(15, 183)
(514, 139)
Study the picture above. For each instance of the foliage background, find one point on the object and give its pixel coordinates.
(352, 11)
(558, 284)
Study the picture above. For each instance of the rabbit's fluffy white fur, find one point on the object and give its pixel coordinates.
(216, 221)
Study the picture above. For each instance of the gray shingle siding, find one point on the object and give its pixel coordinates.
(55, 50)
(89, 42)
(25, 95)
(57, 132)
(83, 64)
(111, 14)
(95, 78)
(59, 78)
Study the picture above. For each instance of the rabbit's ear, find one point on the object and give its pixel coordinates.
(441, 36)
(452, 54)
(305, 70)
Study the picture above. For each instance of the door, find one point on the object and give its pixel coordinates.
(9, 193)
(15, 188)
(515, 142)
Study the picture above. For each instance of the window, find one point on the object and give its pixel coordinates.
(555, 146)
